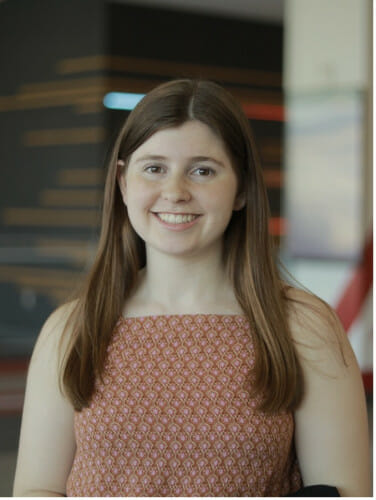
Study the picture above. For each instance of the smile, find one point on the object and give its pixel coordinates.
(176, 222)
(177, 218)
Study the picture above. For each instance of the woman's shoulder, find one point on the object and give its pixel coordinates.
(306, 310)
(316, 330)
(60, 315)
(58, 318)
(56, 329)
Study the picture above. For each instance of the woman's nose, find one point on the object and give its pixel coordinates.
(175, 190)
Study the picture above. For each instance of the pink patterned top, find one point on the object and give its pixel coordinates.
(173, 416)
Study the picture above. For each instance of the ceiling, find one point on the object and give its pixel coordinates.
(259, 10)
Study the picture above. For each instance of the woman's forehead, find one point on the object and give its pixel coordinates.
(191, 138)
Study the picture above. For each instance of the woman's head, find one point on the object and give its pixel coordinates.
(170, 105)
(180, 190)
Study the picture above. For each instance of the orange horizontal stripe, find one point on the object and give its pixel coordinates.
(19, 216)
(267, 112)
(277, 226)
(13, 365)
(169, 69)
(273, 177)
(52, 137)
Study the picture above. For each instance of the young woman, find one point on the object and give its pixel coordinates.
(187, 366)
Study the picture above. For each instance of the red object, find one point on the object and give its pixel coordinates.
(267, 112)
(13, 365)
(368, 382)
(277, 226)
(353, 297)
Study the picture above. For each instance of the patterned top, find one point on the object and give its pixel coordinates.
(174, 417)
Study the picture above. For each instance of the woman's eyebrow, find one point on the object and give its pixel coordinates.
(207, 158)
(151, 157)
(192, 158)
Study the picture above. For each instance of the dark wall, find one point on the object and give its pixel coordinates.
(58, 60)
(191, 38)
(40, 124)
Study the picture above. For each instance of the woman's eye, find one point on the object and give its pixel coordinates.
(153, 169)
(204, 171)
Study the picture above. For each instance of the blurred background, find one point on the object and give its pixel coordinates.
(301, 69)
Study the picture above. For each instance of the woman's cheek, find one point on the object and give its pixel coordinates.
(222, 197)
(140, 193)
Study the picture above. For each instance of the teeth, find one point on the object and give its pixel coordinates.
(177, 219)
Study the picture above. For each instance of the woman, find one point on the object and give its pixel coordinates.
(188, 366)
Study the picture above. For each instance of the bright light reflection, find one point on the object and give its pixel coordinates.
(122, 100)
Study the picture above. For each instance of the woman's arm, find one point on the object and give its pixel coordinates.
(47, 444)
(331, 433)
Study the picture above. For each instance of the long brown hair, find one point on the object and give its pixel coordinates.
(248, 252)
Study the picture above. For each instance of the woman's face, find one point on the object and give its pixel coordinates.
(180, 189)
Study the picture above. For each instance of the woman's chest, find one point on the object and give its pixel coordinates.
(174, 415)
(183, 384)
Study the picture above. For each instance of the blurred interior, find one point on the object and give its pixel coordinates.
(302, 71)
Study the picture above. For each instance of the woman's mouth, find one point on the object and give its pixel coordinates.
(177, 218)
(176, 221)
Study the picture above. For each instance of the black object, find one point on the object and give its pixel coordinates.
(316, 490)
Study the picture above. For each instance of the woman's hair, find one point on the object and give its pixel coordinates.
(248, 252)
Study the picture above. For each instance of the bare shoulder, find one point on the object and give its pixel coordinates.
(49, 350)
(55, 332)
(317, 332)
(58, 318)
(309, 314)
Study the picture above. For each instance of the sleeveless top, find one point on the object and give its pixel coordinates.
(174, 416)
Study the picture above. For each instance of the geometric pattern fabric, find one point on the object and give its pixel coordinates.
(174, 416)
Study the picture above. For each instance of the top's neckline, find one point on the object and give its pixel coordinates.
(182, 315)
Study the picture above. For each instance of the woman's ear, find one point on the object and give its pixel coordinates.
(120, 175)
(239, 202)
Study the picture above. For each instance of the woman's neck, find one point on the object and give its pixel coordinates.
(170, 284)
